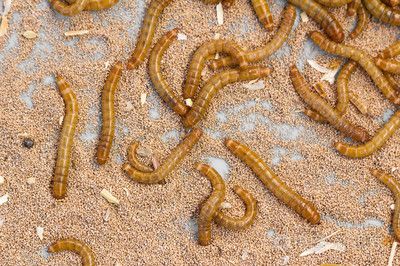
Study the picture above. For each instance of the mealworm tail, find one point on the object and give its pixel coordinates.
(263, 13)
(382, 12)
(388, 65)
(134, 161)
(76, 246)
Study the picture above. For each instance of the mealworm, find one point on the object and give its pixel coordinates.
(391, 51)
(363, 20)
(68, 9)
(393, 82)
(93, 5)
(199, 59)
(239, 222)
(76, 246)
(375, 143)
(213, 85)
(108, 113)
(391, 3)
(170, 163)
(282, 191)
(383, 12)
(352, 7)
(363, 59)
(263, 13)
(334, 3)
(388, 65)
(67, 138)
(322, 107)
(271, 47)
(320, 89)
(356, 101)
(211, 206)
(147, 32)
(134, 161)
(394, 186)
(160, 84)
(329, 23)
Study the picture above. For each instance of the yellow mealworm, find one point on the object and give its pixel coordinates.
(375, 143)
(388, 65)
(363, 59)
(282, 191)
(393, 82)
(214, 84)
(363, 20)
(329, 23)
(67, 138)
(68, 9)
(211, 206)
(394, 186)
(320, 89)
(108, 113)
(383, 12)
(352, 7)
(239, 222)
(391, 51)
(160, 84)
(391, 3)
(228, 3)
(147, 32)
(356, 101)
(96, 4)
(199, 59)
(170, 163)
(271, 47)
(263, 13)
(76, 246)
(322, 107)
(134, 161)
(334, 3)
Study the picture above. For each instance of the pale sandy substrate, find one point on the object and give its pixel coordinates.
(157, 224)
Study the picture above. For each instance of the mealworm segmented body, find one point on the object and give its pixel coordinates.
(263, 13)
(329, 23)
(363, 19)
(356, 101)
(93, 5)
(352, 7)
(147, 32)
(176, 156)
(134, 161)
(69, 9)
(67, 138)
(391, 51)
(282, 191)
(391, 3)
(375, 143)
(383, 12)
(334, 3)
(271, 47)
(160, 84)
(76, 246)
(108, 113)
(388, 65)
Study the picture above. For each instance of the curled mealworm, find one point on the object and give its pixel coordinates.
(199, 59)
(263, 13)
(394, 186)
(383, 12)
(214, 84)
(388, 65)
(160, 84)
(322, 107)
(147, 32)
(363, 59)
(239, 222)
(356, 101)
(391, 51)
(211, 206)
(271, 47)
(170, 163)
(334, 3)
(77, 246)
(96, 4)
(363, 20)
(375, 143)
(66, 140)
(134, 161)
(282, 191)
(68, 9)
(329, 23)
(352, 7)
(108, 113)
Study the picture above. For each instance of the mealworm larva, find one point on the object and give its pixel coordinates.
(263, 13)
(356, 101)
(134, 161)
(239, 222)
(314, 115)
(147, 32)
(199, 59)
(214, 84)
(329, 23)
(76, 246)
(363, 59)
(282, 191)
(394, 187)
(334, 3)
(68, 9)
(375, 143)
(391, 3)
(363, 20)
(383, 12)
(322, 107)
(67, 137)
(319, 88)
(211, 206)
(352, 7)
(271, 47)
(93, 5)
(393, 82)
(108, 113)
(388, 65)
(391, 51)
(170, 163)
(160, 84)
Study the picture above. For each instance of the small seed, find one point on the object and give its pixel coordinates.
(31, 180)
(28, 143)
(29, 34)
(109, 197)
(2, 180)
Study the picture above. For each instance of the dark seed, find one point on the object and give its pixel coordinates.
(28, 143)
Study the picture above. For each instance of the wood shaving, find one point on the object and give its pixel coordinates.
(31, 180)
(107, 215)
(322, 247)
(189, 102)
(4, 199)
(143, 97)
(2, 180)
(40, 232)
(75, 33)
(392, 207)
(304, 17)
(254, 85)
(30, 34)
(3, 26)
(392, 253)
(109, 197)
(181, 37)
(356, 101)
(61, 120)
(329, 74)
(155, 162)
(220, 14)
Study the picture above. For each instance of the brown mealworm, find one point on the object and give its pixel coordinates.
(356, 101)
(329, 23)
(147, 32)
(352, 7)
(322, 107)
(134, 161)
(66, 140)
(68, 9)
(170, 163)
(334, 3)
(76, 246)
(108, 113)
(363, 20)
(211, 206)
(388, 65)
(160, 84)
(391, 3)
(363, 59)
(213, 85)
(282, 191)
(391, 51)
(271, 47)
(239, 222)
(375, 143)
(263, 13)
(383, 12)
(394, 186)
(96, 4)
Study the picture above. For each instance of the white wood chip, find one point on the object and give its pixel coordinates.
(304, 17)
(254, 85)
(143, 97)
(3, 26)
(181, 37)
(61, 120)
(31, 180)
(220, 14)
(4, 199)
(2, 180)
(155, 162)
(40, 232)
(109, 197)
(329, 74)
(189, 102)
(322, 247)
(226, 205)
(245, 254)
(75, 33)
(392, 206)
(107, 215)
(30, 34)
(392, 253)
(217, 36)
